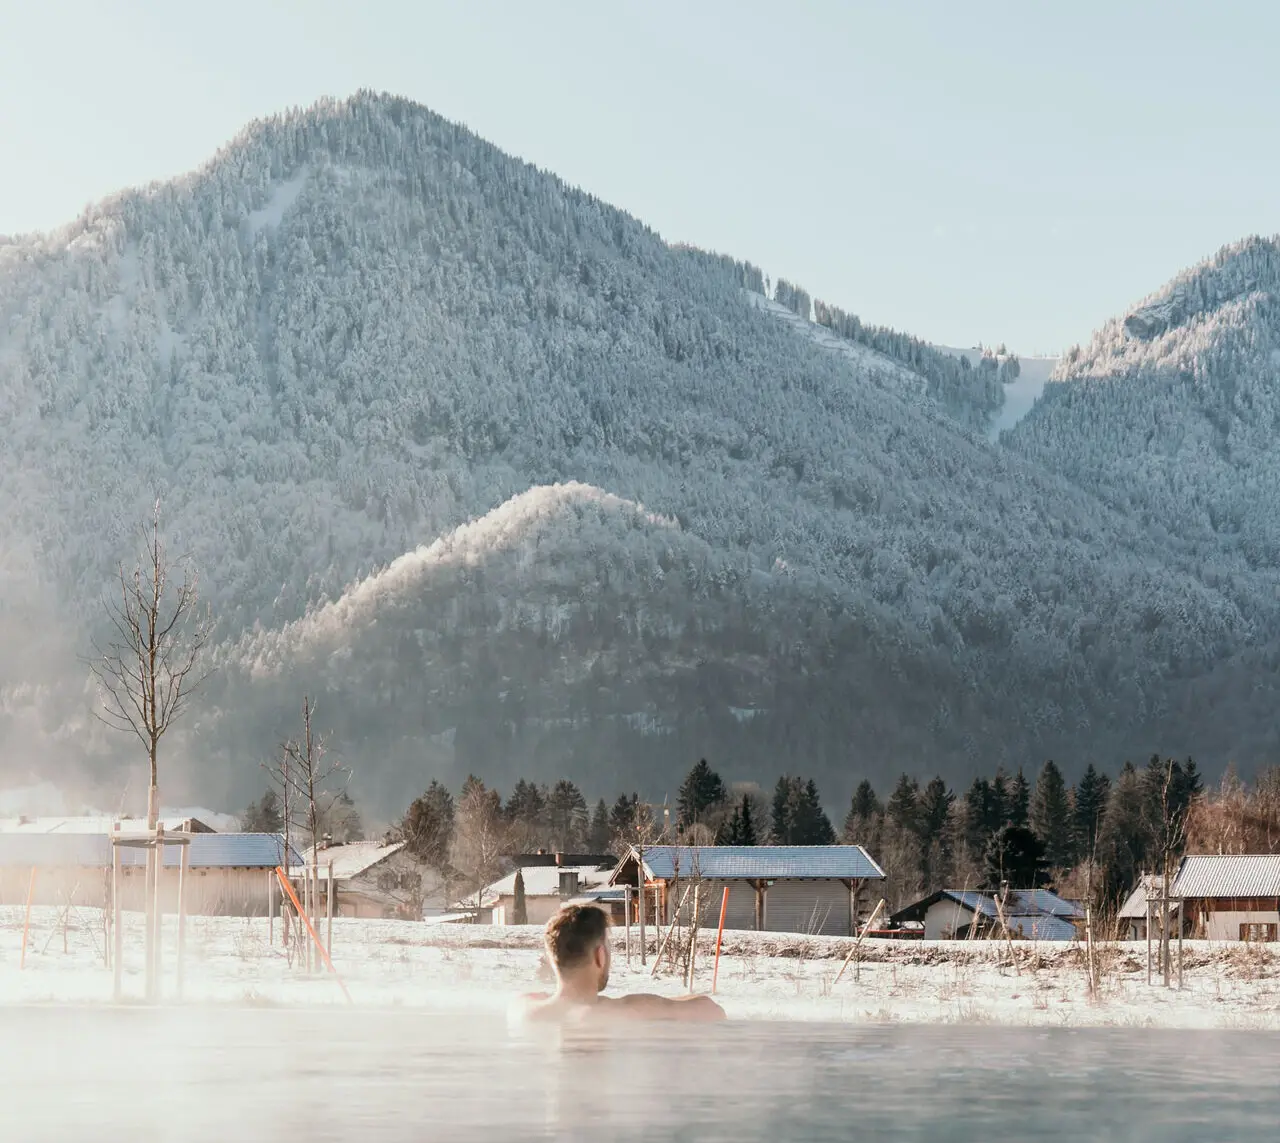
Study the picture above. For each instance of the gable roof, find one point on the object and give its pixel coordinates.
(754, 862)
(350, 860)
(1211, 875)
(541, 881)
(1023, 906)
(1135, 905)
(93, 850)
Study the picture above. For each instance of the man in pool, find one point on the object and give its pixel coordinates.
(577, 940)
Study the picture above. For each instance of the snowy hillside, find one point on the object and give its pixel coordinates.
(358, 352)
(1171, 411)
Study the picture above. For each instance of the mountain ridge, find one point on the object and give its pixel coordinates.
(360, 328)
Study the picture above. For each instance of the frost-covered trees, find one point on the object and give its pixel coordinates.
(361, 330)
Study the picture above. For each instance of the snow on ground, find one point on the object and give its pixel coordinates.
(762, 976)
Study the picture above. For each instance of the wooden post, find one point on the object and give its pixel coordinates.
(640, 887)
(1088, 943)
(1182, 924)
(271, 909)
(184, 862)
(329, 909)
(626, 912)
(724, 907)
(117, 936)
(158, 959)
(693, 930)
(1148, 938)
(871, 920)
(148, 908)
(26, 924)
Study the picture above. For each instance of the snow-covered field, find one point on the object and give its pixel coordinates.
(762, 976)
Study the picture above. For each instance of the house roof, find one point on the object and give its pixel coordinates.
(1023, 907)
(1135, 905)
(350, 860)
(755, 862)
(1042, 927)
(99, 823)
(1228, 875)
(540, 881)
(93, 851)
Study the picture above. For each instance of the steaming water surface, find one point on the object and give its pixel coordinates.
(243, 1075)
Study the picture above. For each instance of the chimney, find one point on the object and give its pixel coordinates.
(568, 884)
(559, 858)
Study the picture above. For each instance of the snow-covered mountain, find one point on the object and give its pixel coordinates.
(1171, 412)
(645, 518)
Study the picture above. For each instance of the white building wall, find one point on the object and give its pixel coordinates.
(1226, 926)
(944, 919)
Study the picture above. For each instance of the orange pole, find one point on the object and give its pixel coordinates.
(715, 972)
(26, 924)
(284, 884)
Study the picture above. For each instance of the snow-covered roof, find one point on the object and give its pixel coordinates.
(350, 860)
(756, 862)
(90, 823)
(541, 881)
(1135, 905)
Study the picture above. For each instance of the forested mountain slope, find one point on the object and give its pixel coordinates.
(1172, 412)
(361, 327)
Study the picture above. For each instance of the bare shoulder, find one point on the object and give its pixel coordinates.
(648, 1006)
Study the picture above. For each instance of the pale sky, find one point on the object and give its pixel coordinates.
(964, 171)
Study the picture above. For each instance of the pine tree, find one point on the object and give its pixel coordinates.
(741, 829)
(903, 808)
(780, 815)
(1124, 833)
(566, 816)
(701, 790)
(263, 816)
(428, 826)
(1019, 799)
(999, 800)
(1090, 804)
(863, 810)
(979, 817)
(600, 833)
(1050, 817)
(937, 850)
(624, 821)
(519, 908)
(1015, 855)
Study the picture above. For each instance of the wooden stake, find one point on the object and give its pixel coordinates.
(117, 936)
(693, 930)
(158, 962)
(284, 884)
(329, 909)
(184, 863)
(871, 920)
(26, 924)
(271, 909)
(671, 928)
(626, 911)
(724, 906)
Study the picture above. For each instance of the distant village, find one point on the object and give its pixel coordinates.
(1198, 865)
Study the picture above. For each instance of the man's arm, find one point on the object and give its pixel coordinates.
(646, 1006)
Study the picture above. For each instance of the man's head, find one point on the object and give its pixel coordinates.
(577, 940)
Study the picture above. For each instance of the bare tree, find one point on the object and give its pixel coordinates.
(309, 786)
(149, 670)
